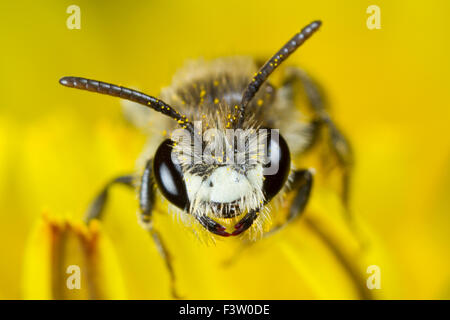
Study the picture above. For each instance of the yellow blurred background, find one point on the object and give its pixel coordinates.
(389, 92)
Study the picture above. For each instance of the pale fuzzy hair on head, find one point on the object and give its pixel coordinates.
(203, 161)
(194, 70)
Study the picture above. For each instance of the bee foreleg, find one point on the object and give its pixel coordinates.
(146, 203)
(301, 185)
(146, 193)
(95, 210)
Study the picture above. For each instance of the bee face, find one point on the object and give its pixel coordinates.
(225, 192)
(219, 187)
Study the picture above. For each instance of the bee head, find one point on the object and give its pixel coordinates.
(222, 176)
(201, 177)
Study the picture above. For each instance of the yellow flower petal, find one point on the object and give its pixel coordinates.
(62, 254)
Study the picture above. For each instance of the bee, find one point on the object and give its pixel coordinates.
(201, 181)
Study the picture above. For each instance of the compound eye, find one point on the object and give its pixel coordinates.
(169, 176)
(276, 171)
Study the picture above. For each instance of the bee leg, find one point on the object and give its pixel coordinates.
(339, 146)
(95, 210)
(146, 202)
(302, 185)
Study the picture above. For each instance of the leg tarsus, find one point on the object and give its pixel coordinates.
(168, 261)
(165, 255)
(97, 206)
(146, 203)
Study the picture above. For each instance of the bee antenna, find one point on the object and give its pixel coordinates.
(263, 73)
(128, 94)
